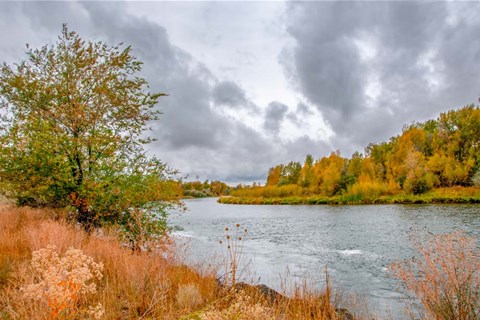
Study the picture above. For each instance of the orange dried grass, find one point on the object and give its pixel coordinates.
(445, 277)
(134, 286)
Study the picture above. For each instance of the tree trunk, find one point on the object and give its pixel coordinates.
(84, 215)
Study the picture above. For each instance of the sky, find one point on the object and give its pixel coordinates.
(254, 84)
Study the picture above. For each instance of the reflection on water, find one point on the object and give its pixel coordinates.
(356, 243)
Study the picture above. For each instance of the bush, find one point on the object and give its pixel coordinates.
(476, 179)
(196, 193)
(60, 282)
(419, 185)
(445, 277)
(367, 189)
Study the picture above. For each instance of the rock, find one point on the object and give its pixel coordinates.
(344, 314)
(262, 290)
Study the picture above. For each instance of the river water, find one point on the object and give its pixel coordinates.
(355, 243)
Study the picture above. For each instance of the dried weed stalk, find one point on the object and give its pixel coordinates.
(61, 281)
(445, 277)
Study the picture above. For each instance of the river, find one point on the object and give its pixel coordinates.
(355, 243)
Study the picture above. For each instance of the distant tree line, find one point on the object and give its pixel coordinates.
(437, 153)
(198, 189)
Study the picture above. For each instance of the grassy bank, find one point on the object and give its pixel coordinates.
(118, 284)
(50, 269)
(441, 195)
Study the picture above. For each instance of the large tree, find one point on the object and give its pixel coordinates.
(72, 132)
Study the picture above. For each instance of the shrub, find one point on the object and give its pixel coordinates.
(445, 277)
(419, 185)
(476, 179)
(367, 189)
(144, 232)
(60, 282)
(196, 193)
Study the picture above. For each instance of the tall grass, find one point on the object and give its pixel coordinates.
(445, 276)
(132, 286)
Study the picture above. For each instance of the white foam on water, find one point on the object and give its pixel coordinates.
(350, 252)
(182, 234)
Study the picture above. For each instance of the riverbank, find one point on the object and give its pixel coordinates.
(52, 269)
(437, 196)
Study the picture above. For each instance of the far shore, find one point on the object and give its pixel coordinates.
(455, 195)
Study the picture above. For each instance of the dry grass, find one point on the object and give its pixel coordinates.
(458, 191)
(133, 286)
(445, 277)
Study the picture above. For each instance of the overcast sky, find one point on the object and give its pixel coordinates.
(255, 84)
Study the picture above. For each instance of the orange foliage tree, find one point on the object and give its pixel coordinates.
(437, 153)
(328, 174)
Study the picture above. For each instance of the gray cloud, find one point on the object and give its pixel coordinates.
(188, 119)
(303, 111)
(211, 144)
(410, 53)
(368, 67)
(229, 94)
(274, 115)
(193, 134)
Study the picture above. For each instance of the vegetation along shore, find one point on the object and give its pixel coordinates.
(436, 196)
(437, 161)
